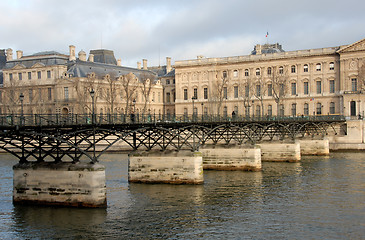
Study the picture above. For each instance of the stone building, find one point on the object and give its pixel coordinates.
(271, 81)
(55, 83)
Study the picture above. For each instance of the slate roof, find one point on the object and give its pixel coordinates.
(47, 60)
(83, 68)
(162, 72)
(2, 58)
(1, 78)
(104, 56)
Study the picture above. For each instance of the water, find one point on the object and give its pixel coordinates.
(318, 198)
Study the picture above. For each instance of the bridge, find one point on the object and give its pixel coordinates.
(69, 137)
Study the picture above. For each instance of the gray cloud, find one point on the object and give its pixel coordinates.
(179, 29)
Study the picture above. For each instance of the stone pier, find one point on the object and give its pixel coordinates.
(231, 158)
(280, 152)
(62, 184)
(169, 167)
(319, 147)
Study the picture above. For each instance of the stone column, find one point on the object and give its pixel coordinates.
(168, 167)
(63, 184)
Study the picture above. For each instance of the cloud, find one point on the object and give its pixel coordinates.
(179, 29)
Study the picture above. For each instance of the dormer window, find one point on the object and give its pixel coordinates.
(332, 66)
(318, 67)
(305, 68)
(269, 71)
(246, 73)
(257, 71)
(281, 70)
(293, 69)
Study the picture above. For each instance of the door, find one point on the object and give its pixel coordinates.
(353, 108)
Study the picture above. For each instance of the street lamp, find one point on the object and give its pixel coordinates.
(21, 98)
(202, 110)
(92, 94)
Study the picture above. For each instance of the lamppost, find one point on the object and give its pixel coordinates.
(92, 94)
(202, 110)
(21, 98)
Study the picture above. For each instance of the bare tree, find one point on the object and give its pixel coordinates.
(83, 87)
(246, 91)
(279, 86)
(220, 90)
(111, 91)
(260, 91)
(10, 95)
(129, 86)
(146, 86)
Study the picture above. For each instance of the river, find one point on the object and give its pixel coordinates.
(318, 198)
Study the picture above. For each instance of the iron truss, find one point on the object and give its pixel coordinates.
(72, 142)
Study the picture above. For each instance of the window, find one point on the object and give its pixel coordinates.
(1, 96)
(269, 71)
(258, 90)
(269, 110)
(66, 96)
(332, 86)
(247, 91)
(281, 110)
(306, 88)
(257, 71)
(225, 111)
(281, 70)
(319, 108)
(332, 66)
(224, 74)
(49, 93)
(39, 74)
(293, 88)
(173, 81)
(158, 97)
(225, 92)
(258, 110)
(185, 112)
(235, 109)
(30, 92)
(306, 109)
(195, 111)
(167, 81)
(48, 74)
(293, 69)
(235, 90)
(269, 89)
(205, 93)
(305, 68)
(319, 87)
(205, 111)
(40, 94)
(246, 73)
(185, 94)
(195, 96)
(318, 67)
(282, 89)
(235, 73)
(20, 76)
(332, 108)
(294, 109)
(10, 76)
(29, 75)
(354, 84)
(168, 97)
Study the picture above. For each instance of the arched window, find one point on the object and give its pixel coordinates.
(318, 67)
(281, 70)
(246, 73)
(305, 68)
(235, 73)
(293, 69)
(332, 66)
(269, 71)
(257, 71)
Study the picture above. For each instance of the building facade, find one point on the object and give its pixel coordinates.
(54, 83)
(272, 82)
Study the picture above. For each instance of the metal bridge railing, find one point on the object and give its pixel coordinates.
(99, 119)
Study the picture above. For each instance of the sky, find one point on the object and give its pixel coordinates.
(180, 29)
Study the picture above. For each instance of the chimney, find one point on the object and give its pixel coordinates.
(72, 53)
(258, 49)
(82, 55)
(139, 65)
(145, 64)
(19, 54)
(9, 54)
(119, 62)
(91, 57)
(168, 64)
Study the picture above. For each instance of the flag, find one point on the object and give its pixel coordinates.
(312, 99)
(267, 34)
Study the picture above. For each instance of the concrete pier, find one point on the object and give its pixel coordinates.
(280, 152)
(169, 167)
(231, 158)
(63, 184)
(319, 147)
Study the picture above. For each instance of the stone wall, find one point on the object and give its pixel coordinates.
(280, 152)
(169, 167)
(65, 184)
(314, 147)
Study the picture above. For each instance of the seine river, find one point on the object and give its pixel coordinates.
(318, 198)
